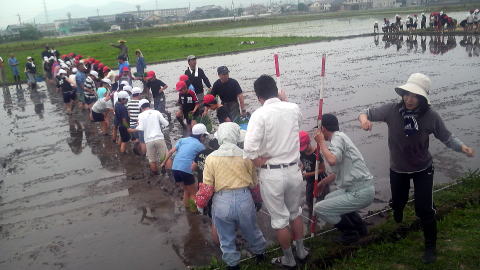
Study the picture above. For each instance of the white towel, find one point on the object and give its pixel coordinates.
(196, 71)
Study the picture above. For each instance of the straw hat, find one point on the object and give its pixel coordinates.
(417, 83)
(122, 41)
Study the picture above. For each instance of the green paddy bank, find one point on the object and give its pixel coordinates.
(391, 246)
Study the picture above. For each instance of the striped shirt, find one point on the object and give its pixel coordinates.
(229, 173)
(133, 111)
(90, 84)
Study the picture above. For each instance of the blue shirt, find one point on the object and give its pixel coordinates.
(187, 150)
(80, 78)
(122, 65)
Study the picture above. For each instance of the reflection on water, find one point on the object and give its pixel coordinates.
(76, 136)
(436, 44)
(37, 99)
(21, 102)
(471, 47)
(7, 100)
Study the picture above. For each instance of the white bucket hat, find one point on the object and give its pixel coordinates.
(94, 73)
(199, 129)
(136, 91)
(143, 101)
(417, 83)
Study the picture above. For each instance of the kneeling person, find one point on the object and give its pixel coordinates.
(151, 123)
(352, 178)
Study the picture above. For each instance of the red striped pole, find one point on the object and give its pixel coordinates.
(313, 223)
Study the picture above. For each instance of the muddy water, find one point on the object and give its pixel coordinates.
(338, 27)
(69, 200)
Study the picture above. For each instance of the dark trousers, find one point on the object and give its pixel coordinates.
(422, 192)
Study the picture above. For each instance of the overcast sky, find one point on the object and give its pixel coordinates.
(30, 9)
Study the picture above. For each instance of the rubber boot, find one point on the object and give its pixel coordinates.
(430, 235)
(397, 213)
(357, 220)
(348, 230)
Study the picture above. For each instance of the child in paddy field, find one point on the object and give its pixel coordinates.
(308, 157)
(122, 120)
(186, 150)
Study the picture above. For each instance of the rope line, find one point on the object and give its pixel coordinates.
(386, 209)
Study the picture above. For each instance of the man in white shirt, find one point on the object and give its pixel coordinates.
(151, 123)
(272, 143)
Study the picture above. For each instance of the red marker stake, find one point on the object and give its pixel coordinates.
(277, 72)
(313, 224)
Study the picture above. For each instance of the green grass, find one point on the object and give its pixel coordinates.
(155, 48)
(458, 246)
(387, 248)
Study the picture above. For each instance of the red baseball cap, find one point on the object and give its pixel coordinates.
(183, 77)
(150, 74)
(125, 69)
(208, 99)
(71, 54)
(180, 85)
(105, 68)
(101, 65)
(97, 61)
(64, 56)
(304, 140)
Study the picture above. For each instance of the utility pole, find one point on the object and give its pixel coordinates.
(19, 19)
(45, 9)
(98, 12)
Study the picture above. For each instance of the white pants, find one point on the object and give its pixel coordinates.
(342, 202)
(281, 190)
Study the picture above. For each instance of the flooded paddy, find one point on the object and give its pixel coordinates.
(69, 200)
(336, 27)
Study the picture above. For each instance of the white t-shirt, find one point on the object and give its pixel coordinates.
(150, 122)
(102, 105)
(72, 81)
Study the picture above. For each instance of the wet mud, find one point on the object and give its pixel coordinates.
(334, 27)
(70, 200)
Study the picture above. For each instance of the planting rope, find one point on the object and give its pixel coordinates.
(388, 208)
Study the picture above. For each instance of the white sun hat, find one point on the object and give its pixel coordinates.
(143, 101)
(199, 129)
(417, 83)
(136, 90)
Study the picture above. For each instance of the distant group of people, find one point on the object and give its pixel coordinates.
(264, 161)
(438, 21)
(471, 23)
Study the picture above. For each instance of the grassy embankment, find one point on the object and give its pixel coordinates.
(390, 246)
(155, 48)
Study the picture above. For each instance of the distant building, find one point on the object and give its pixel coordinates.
(383, 3)
(109, 19)
(357, 4)
(72, 25)
(206, 12)
(255, 10)
(160, 14)
(320, 6)
(46, 28)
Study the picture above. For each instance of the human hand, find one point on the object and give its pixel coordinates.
(319, 188)
(468, 151)
(258, 206)
(319, 138)
(200, 210)
(366, 124)
(282, 95)
(260, 161)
